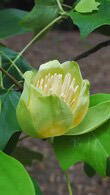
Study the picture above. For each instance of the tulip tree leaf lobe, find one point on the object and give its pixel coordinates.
(92, 148)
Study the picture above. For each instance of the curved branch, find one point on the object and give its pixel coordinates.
(11, 78)
(37, 36)
(93, 50)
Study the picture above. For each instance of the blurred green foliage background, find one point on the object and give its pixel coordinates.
(24, 4)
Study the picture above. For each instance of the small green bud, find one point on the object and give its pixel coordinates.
(54, 100)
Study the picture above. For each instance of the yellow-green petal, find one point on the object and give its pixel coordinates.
(82, 104)
(43, 116)
(43, 113)
(50, 67)
(72, 67)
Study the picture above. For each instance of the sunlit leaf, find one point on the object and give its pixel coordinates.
(92, 148)
(85, 6)
(88, 22)
(14, 179)
(96, 116)
(99, 98)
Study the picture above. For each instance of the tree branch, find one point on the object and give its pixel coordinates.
(93, 50)
(11, 78)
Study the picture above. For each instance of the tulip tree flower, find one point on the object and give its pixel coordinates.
(54, 100)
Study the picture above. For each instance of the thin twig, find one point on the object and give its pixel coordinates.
(60, 5)
(38, 35)
(93, 50)
(67, 6)
(11, 78)
(12, 64)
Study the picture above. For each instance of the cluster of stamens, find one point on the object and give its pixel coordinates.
(56, 85)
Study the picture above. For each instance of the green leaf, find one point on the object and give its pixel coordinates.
(98, 98)
(26, 156)
(37, 188)
(41, 15)
(14, 179)
(89, 170)
(94, 100)
(1, 79)
(85, 6)
(88, 22)
(3, 91)
(108, 167)
(92, 148)
(12, 142)
(21, 63)
(96, 116)
(9, 22)
(8, 121)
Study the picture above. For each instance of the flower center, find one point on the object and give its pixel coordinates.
(56, 85)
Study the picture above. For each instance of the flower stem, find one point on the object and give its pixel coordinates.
(68, 182)
(37, 36)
